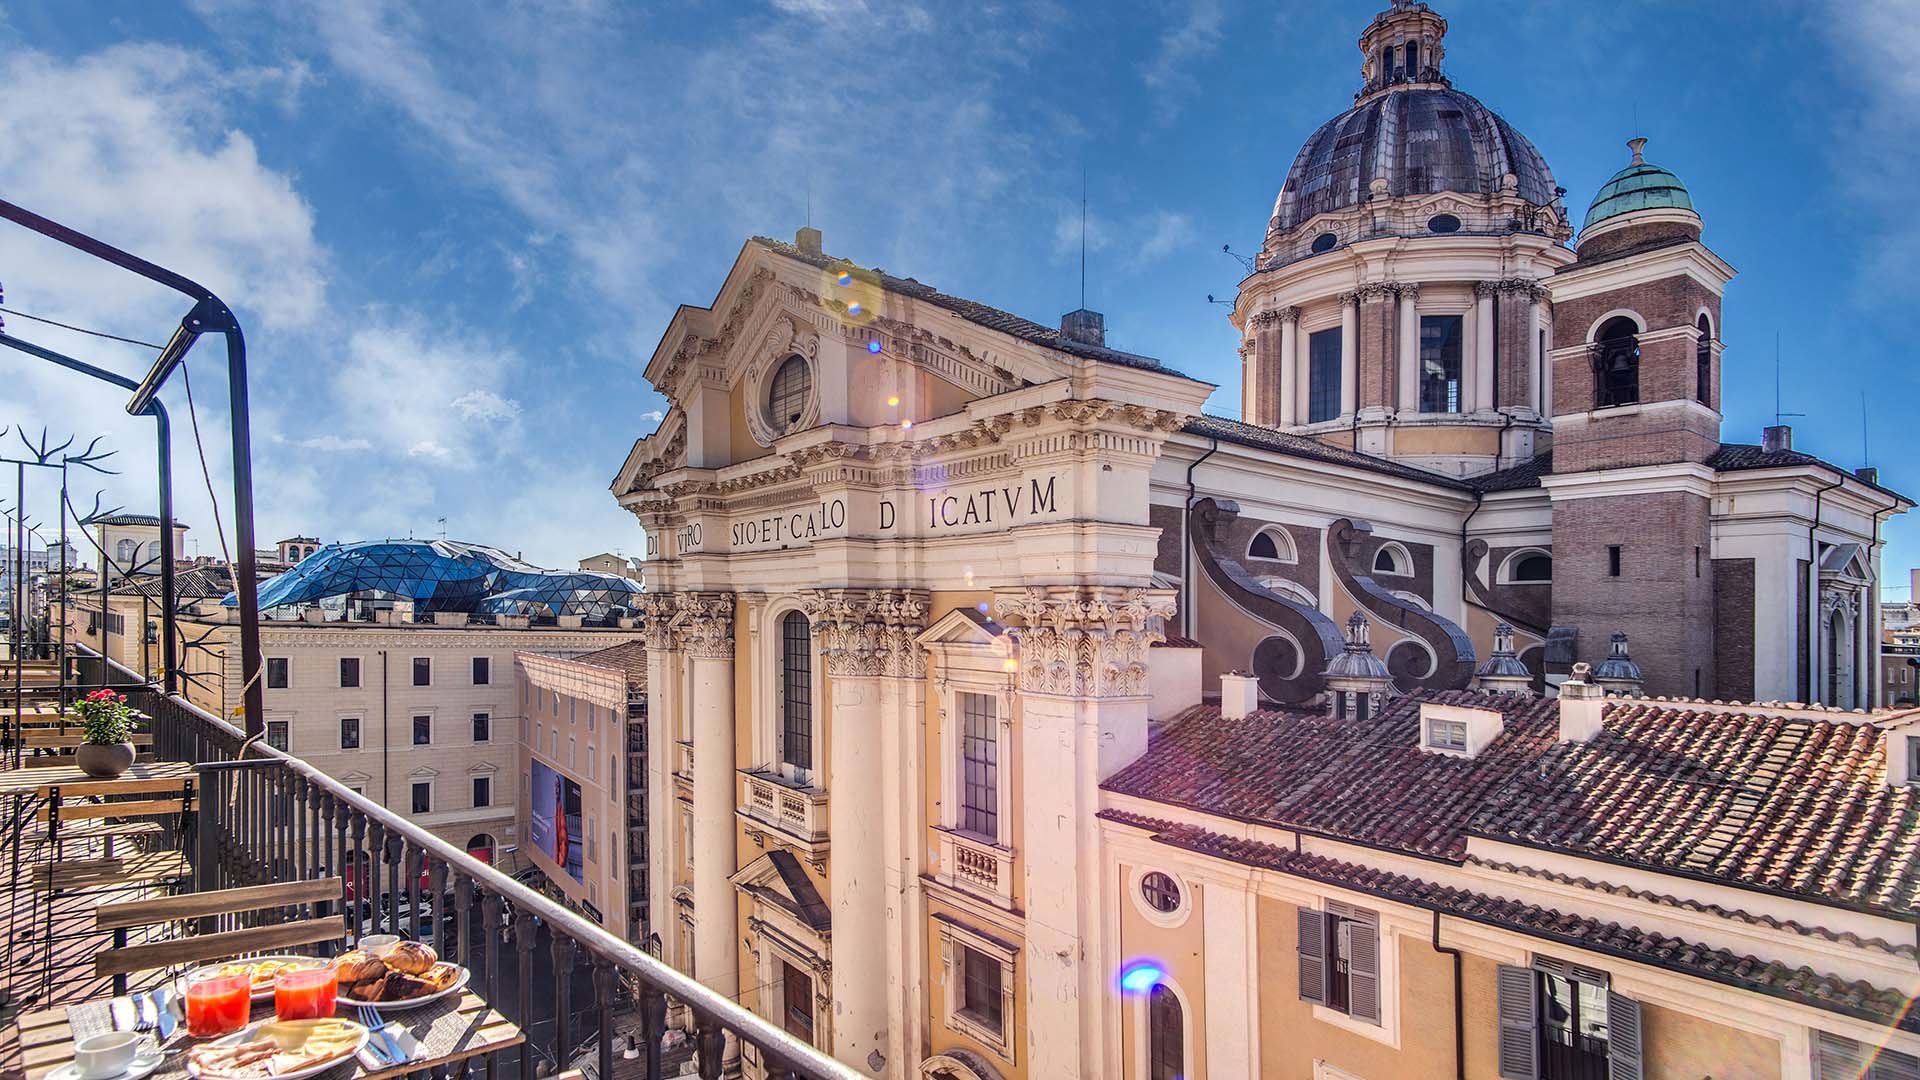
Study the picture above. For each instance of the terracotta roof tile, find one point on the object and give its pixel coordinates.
(1773, 978)
(628, 656)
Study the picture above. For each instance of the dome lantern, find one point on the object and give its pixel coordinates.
(1402, 46)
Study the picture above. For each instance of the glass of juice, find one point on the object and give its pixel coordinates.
(218, 1005)
(305, 993)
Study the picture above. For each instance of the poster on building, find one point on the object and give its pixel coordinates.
(554, 821)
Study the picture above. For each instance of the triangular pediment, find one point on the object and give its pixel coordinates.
(1846, 561)
(778, 878)
(963, 626)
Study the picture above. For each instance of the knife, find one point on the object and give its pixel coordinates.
(399, 1053)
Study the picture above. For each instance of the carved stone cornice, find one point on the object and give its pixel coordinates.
(1376, 290)
(1267, 317)
(693, 348)
(1407, 290)
(1483, 289)
(703, 621)
(869, 633)
(1289, 314)
(1246, 348)
(1527, 287)
(1085, 642)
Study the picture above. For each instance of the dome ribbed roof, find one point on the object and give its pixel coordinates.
(1421, 140)
(1640, 186)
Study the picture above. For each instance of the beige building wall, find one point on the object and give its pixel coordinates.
(575, 721)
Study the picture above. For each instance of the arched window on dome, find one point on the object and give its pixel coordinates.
(1413, 61)
(1703, 362)
(1616, 363)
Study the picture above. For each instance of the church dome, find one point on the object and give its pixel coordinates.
(1421, 140)
(1642, 185)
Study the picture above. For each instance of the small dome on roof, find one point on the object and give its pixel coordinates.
(1642, 185)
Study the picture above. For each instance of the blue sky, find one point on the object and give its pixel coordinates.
(456, 234)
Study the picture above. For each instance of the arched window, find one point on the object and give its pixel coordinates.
(1393, 559)
(787, 394)
(1166, 1035)
(480, 846)
(1273, 544)
(1703, 363)
(152, 559)
(1616, 363)
(124, 553)
(796, 691)
(1529, 568)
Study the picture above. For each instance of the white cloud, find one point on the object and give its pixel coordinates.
(485, 405)
(652, 416)
(429, 448)
(334, 444)
(1877, 43)
(1166, 232)
(1169, 74)
(1140, 240)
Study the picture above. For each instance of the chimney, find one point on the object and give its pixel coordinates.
(1581, 704)
(1239, 695)
(1868, 473)
(1777, 437)
(807, 240)
(1085, 327)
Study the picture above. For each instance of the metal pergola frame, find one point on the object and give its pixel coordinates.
(209, 315)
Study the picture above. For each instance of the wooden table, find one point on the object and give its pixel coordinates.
(449, 1031)
(37, 781)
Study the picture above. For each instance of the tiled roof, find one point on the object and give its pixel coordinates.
(1791, 805)
(1771, 977)
(990, 317)
(1266, 438)
(1368, 782)
(628, 656)
(1794, 805)
(1527, 474)
(1730, 457)
(1175, 641)
(199, 583)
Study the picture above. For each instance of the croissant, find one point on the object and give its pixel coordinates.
(356, 965)
(411, 958)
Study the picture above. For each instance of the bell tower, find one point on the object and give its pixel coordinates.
(1635, 391)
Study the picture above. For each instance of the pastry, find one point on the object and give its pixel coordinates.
(398, 986)
(356, 965)
(411, 957)
(241, 1061)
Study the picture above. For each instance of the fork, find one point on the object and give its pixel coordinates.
(145, 1016)
(378, 1042)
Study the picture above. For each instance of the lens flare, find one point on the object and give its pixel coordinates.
(1140, 977)
(873, 347)
(843, 279)
(1014, 665)
(981, 607)
(854, 309)
(894, 400)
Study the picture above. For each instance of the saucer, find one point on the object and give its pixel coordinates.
(141, 1067)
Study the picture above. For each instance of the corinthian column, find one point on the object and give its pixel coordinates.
(663, 716)
(872, 660)
(1484, 333)
(1290, 379)
(1082, 656)
(1349, 354)
(705, 626)
(1409, 349)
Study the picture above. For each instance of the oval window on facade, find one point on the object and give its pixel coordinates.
(1161, 892)
(1324, 242)
(787, 395)
(1443, 223)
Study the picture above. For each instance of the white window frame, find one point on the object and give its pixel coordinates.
(952, 937)
(360, 663)
(1136, 880)
(768, 723)
(360, 732)
(487, 775)
(1508, 564)
(286, 669)
(287, 727)
(432, 723)
(1283, 544)
(1142, 1016)
(476, 715)
(1432, 742)
(413, 663)
(489, 659)
(1292, 590)
(1398, 555)
(433, 796)
(593, 764)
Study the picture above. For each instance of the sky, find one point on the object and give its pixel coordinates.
(454, 233)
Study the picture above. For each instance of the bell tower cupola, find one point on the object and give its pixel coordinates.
(1402, 46)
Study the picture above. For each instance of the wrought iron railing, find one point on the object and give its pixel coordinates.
(267, 816)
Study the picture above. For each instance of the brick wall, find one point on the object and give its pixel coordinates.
(1733, 629)
(1663, 598)
(1533, 603)
(1622, 438)
(1636, 238)
(1306, 545)
(1803, 649)
(1374, 351)
(1513, 366)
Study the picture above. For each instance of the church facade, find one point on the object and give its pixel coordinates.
(934, 593)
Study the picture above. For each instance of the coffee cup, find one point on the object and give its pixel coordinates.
(110, 1053)
(377, 945)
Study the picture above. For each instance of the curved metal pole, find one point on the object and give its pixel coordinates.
(164, 431)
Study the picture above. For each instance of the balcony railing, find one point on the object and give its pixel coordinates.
(799, 813)
(263, 816)
(978, 866)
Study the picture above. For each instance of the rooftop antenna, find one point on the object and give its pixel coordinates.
(443, 528)
(1863, 430)
(1083, 237)
(809, 206)
(1777, 414)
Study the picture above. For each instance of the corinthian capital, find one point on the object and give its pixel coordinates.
(869, 633)
(657, 610)
(704, 624)
(1088, 642)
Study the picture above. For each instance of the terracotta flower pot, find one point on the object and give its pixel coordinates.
(105, 761)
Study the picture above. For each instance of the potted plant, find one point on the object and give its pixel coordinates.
(106, 748)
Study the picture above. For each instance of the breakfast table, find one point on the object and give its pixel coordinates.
(448, 1031)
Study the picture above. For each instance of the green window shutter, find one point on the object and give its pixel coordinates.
(1519, 1010)
(1625, 1059)
(1363, 971)
(1313, 956)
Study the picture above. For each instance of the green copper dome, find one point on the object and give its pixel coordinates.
(1640, 186)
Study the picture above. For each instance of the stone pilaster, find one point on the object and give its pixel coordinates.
(867, 644)
(1082, 659)
(703, 626)
(663, 720)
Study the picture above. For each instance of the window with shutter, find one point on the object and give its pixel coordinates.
(1518, 1010)
(1313, 956)
(1363, 970)
(1624, 1058)
(1839, 1058)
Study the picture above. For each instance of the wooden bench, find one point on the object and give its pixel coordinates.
(123, 959)
(139, 868)
(63, 739)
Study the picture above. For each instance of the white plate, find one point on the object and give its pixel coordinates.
(249, 1033)
(258, 995)
(459, 984)
(141, 1067)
